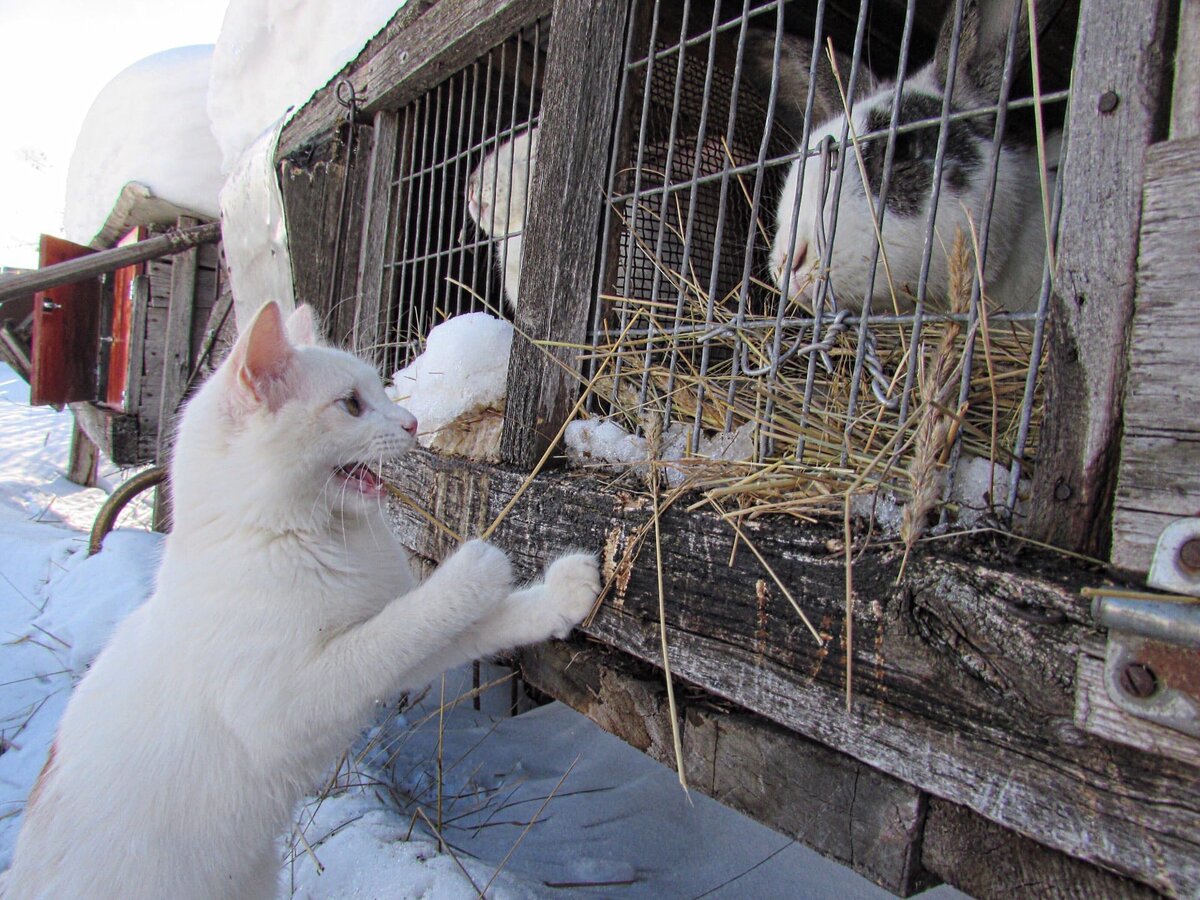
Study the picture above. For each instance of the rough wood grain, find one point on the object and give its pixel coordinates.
(1159, 475)
(325, 230)
(965, 673)
(1119, 49)
(824, 799)
(563, 221)
(990, 863)
(83, 463)
(418, 49)
(178, 341)
(1097, 714)
(1185, 101)
(118, 435)
(382, 198)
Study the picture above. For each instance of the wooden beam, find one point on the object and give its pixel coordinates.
(421, 47)
(564, 214)
(964, 671)
(12, 286)
(14, 352)
(1158, 478)
(824, 799)
(990, 863)
(1118, 58)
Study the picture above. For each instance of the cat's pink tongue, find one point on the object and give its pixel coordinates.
(363, 478)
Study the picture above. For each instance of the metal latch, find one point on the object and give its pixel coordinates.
(1152, 660)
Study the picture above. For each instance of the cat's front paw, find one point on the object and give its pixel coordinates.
(572, 585)
(486, 566)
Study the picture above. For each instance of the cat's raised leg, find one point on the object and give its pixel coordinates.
(550, 608)
(371, 659)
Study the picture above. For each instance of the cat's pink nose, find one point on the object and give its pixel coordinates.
(411, 426)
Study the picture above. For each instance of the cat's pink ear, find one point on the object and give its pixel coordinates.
(302, 327)
(262, 357)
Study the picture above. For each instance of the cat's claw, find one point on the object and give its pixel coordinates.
(572, 585)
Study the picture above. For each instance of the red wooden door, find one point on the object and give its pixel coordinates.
(66, 333)
(124, 282)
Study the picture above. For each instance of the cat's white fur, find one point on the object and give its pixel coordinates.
(284, 610)
(497, 200)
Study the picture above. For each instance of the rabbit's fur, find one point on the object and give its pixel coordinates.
(1016, 238)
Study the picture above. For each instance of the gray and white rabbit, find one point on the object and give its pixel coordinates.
(497, 200)
(1016, 246)
(791, 78)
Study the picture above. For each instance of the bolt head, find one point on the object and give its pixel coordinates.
(1189, 555)
(1138, 680)
(1062, 491)
(1108, 102)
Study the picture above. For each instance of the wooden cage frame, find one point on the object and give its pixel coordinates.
(978, 736)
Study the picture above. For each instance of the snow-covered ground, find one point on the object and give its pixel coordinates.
(540, 804)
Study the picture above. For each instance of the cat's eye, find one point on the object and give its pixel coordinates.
(352, 404)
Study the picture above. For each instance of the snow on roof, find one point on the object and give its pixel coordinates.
(148, 125)
(275, 54)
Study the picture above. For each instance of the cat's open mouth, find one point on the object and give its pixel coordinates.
(362, 478)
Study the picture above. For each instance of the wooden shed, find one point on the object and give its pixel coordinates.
(963, 711)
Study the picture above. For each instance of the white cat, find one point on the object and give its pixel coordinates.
(497, 199)
(284, 610)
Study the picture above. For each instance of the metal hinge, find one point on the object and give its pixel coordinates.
(1152, 658)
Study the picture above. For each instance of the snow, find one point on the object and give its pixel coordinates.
(463, 370)
(604, 443)
(617, 817)
(274, 54)
(148, 125)
(254, 232)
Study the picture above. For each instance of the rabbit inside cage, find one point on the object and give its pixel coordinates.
(834, 222)
(461, 176)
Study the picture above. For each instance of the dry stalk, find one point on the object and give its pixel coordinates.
(936, 380)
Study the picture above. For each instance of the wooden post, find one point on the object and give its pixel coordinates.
(1116, 113)
(382, 210)
(177, 355)
(84, 463)
(565, 214)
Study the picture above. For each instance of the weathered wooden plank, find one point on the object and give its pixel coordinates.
(116, 434)
(1185, 98)
(323, 201)
(563, 224)
(178, 342)
(965, 672)
(990, 863)
(13, 286)
(420, 47)
(1118, 54)
(83, 463)
(14, 352)
(1159, 479)
(824, 799)
(1096, 713)
(382, 198)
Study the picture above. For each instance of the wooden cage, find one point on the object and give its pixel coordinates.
(952, 721)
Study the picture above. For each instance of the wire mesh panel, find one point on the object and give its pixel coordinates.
(457, 201)
(844, 267)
